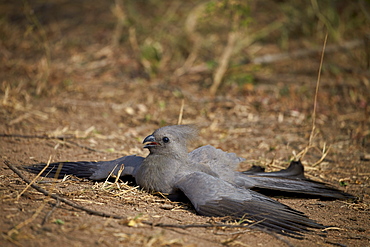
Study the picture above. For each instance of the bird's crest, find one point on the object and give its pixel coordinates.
(187, 132)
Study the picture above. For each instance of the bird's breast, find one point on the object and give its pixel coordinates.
(155, 178)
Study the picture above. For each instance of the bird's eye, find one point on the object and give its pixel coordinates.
(165, 139)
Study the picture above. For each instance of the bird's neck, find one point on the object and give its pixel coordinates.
(158, 171)
(182, 156)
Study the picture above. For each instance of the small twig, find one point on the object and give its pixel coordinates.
(332, 228)
(181, 112)
(47, 216)
(33, 181)
(301, 154)
(317, 91)
(110, 174)
(315, 99)
(324, 154)
(39, 136)
(118, 176)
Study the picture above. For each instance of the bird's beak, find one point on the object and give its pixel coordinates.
(150, 141)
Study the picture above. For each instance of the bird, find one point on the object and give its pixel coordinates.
(207, 177)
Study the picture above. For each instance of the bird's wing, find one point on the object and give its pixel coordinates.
(212, 196)
(88, 169)
(298, 187)
(219, 161)
(254, 170)
(289, 180)
(295, 170)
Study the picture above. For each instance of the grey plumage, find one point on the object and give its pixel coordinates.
(207, 177)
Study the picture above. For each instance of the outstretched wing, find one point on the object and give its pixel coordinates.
(289, 180)
(212, 196)
(91, 170)
(295, 170)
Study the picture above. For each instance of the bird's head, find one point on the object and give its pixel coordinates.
(170, 139)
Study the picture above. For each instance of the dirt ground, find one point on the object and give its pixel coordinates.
(97, 98)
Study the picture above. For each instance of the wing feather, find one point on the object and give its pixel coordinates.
(89, 169)
(212, 196)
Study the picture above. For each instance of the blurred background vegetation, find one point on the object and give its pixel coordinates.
(46, 44)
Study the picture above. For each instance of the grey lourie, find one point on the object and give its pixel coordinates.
(207, 177)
